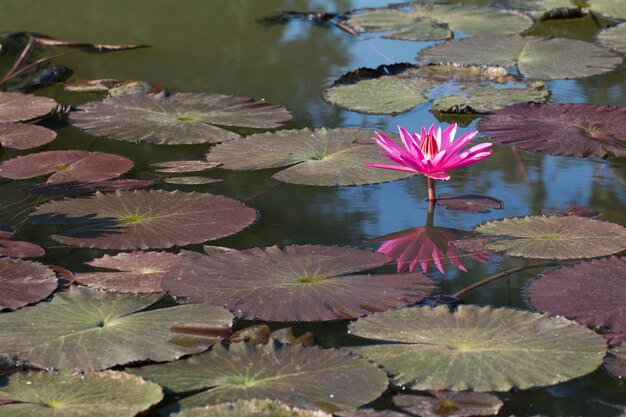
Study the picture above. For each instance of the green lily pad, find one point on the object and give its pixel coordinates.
(478, 348)
(86, 329)
(17, 107)
(24, 136)
(402, 24)
(251, 408)
(614, 38)
(452, 88)
(67, 394)
(610, 8)
(541, 58)
(538, 6)
(553, 237)
(325, 157)
(24, 282)
(294, 283)
(181, 118)
(450, 404)
(145, 219)
(326, 379)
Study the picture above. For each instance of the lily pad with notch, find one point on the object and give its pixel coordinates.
(326, 379)
(324, 157)
(73, 394)
(24, 136)
(17, 248)
(582, 130)
(18, 107)
(66, 166)
(145, 219)
(397, 88)
(449, 404)
(87, 329)
(24, 282)
(138, 272)
(554, 237)
(250, 408)
(478, 348)
(542, 58)
(294, 283)
(592, 293)
(181, 118)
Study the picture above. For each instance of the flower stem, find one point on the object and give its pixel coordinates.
(431, 190)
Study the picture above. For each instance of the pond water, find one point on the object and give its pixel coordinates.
(223, 47)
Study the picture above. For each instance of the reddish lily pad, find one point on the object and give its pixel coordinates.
(75, 187)
(184, 166)
(326, 379)
(573, 211)
(582, 130)
(16, 248)
(139, 272)
(66, 166)
(145, 219)
(23, 136)
(615, 362)
(592, 293)
(472, 203)
(325, 157)
(450, 404)
(87, 329)
(295, 283)
(17, 107)
(191, 180)
(24, 282)
(181, 118)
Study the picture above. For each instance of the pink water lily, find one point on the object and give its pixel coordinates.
(431, 153)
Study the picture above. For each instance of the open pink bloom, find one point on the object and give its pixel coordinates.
(431, 153)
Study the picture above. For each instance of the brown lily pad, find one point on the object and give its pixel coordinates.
(139, 272)
(24, 282)
(145, 219)
(472, 203)
(582, 130)
(66, 166)
(23, 136)
(592, 293)
(16, 248)
(573, 211)
(17, 107)
(450, 404)
(294, 283)
(184, 166)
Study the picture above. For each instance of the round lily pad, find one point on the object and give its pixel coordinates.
(17, 107)
(553, 237)
(181, 118)
(450, 404)
(145, 219)
(541, 58)
(322, 156)
(183, 166)
(191, 180)
(582, 130)
(250, 408)
(67, 394)
(16, 248)
(401, 24)
(592, 293)
(23, 136)
(139, 272)
(614, 38)
(478, 348)
(87, 329)
(452, 89)
(615, 362)
(24, 282)
(66, 166)
(304, 283)
(326, 379)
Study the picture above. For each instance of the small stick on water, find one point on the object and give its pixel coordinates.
(260, 193)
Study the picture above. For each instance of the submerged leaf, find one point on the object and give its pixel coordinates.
(181, 118)
(326, 379)
(615, 362)
(66, 166)
(592, 293)
(478, 348)
(24, 282)
(450, 404)
(614, 38)
(582, 130)
(536, 57)
(87, 329)
(472, 203)
(24, 136)
(145, 219)
(553, 237)
(67, 394)
(295, 283)
(17, 107)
